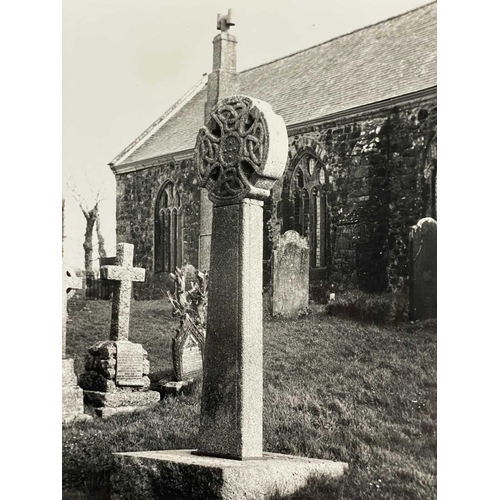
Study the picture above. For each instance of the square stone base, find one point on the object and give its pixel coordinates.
(111, 403)
(181, 475)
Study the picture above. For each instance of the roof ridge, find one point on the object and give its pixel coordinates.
(337, 37)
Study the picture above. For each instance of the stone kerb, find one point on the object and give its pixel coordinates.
(290, 275)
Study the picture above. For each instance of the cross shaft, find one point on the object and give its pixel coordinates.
(125, 275)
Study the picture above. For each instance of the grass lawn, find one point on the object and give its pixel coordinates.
(333, 389)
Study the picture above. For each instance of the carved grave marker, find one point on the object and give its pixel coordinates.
(129, 364)
(72, 395)
(187, 351)
(116, 377)
(125, 274)
(290, 275)
(70, 283)
(239, 155)
(189, 274)
(423, 270)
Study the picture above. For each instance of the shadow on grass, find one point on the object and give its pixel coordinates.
(317, 487)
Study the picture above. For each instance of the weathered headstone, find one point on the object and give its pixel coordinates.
(423, 270)
(189, 274)
(70, 283)
(72, 395)
(239, 154)
(290, 275)
(116, 377)
(187, 351)
(189, 304)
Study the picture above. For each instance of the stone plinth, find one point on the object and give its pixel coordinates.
(116, 378)
(110, 403)
(181, 475)
(72, 395)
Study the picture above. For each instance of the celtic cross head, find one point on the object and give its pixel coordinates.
(242, 150)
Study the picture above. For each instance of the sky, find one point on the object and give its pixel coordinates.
(125, 62)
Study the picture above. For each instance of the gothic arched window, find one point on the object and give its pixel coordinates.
(168, 229)
(306, 199)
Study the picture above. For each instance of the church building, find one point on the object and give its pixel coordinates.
(361, 116)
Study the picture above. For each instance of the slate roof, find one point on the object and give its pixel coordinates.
(388, 59)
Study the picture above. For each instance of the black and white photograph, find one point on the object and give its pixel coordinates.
(237, 203)
(249, 250)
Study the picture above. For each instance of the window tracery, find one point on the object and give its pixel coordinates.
(168, 229)
(306, 195)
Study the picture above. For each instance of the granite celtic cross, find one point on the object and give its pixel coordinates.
(125, 274)
(239, 155)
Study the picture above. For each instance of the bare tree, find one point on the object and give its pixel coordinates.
(92, 219)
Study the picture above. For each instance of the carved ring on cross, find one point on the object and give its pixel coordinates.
(238, 154)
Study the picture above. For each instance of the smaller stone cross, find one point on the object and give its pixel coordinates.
(225, 22)
(70, 283)
(125, 274)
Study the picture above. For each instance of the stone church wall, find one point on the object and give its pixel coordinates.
(136, 194)
(375, 167)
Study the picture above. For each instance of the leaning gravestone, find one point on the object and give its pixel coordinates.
(423, 270)
(290, 275)
(116, 377)
(239, 154)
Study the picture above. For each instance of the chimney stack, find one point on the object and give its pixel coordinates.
(222, 82)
